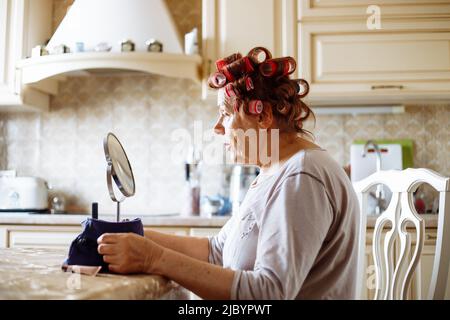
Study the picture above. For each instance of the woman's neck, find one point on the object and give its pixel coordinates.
(289, 144)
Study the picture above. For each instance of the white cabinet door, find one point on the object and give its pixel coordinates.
(369, 283)
(231, 26)
(23, 24)
(6, 72)
(345, 62)
(422, 278)
(40, 237)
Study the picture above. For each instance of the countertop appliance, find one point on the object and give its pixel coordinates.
(23, 194)
(363, 166)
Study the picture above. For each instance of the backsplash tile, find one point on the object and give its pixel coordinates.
(64, 146)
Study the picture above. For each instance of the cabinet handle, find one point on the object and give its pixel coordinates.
(378, 87)
(431, 237)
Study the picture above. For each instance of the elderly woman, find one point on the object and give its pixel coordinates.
(295, 235)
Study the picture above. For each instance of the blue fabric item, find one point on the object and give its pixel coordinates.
(83, 250)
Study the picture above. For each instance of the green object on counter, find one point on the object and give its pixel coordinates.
(407, 149)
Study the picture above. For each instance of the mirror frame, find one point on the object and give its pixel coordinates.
(111, 171)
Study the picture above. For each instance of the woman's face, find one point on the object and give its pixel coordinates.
(240, 131)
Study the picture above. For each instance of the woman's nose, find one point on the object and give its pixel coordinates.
(219, 128)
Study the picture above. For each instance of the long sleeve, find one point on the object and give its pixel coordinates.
(217, 242)
(292, 227)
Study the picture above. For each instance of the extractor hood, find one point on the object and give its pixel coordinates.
(92, 22)
(95, 21)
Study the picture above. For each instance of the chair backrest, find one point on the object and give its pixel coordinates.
(393, 276)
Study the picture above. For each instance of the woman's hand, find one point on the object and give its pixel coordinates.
(128, 252)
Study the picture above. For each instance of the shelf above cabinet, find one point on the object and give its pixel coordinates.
(51, 67)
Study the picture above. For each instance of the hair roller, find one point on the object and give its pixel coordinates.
(255, 106)
(302, 83)
(259, 55)
(278, 67)
(238, 88)
(217, 80)
(221, 63)
(230, 91)
(236, 69)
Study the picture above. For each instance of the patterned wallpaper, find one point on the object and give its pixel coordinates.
(427, 125)
(64, 145)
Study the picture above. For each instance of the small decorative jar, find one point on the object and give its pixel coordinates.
(127, 46)
(154, 45)
(61, 49)
(39, 51)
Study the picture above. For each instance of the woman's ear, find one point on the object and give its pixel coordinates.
(265, 118)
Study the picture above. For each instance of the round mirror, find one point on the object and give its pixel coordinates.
(119, 170)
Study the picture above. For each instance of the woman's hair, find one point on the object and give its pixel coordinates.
(259, 77)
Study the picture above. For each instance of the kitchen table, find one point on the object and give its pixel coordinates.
(37, 274)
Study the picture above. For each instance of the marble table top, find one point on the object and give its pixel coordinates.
(36, 274)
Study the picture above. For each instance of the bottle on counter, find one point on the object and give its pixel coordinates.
(191, 203)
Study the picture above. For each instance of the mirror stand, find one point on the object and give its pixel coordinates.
(119, 170)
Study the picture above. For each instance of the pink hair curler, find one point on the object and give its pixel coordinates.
(217, 80)
(255, 107)
(278, 67)
(228, 74)
(259, 55)
(229, 91)
(249, 84)
(220, 64)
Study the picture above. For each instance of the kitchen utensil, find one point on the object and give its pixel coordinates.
(192, 192)
(119, 170)
(58, 205)
(23, 194)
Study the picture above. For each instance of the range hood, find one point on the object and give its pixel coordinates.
(111, 21)
(94, 21)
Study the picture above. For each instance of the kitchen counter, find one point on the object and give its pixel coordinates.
(36, 274)
(76, 219)
(148, 221)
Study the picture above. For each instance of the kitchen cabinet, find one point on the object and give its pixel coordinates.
(344, 60)
(231, 26)
(349, 60)
(420, 280)
(406, 61)
(23, 25)
(37, 236)
(32, 236)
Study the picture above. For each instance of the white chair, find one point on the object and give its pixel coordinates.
(393, 278)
